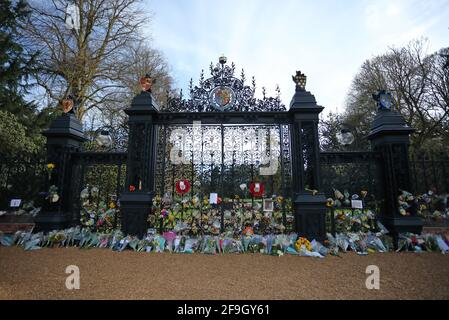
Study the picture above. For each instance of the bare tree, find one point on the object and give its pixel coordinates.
(86, 63)
(143, 60)
(419, 84)
(147, 60)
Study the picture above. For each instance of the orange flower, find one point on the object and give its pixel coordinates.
(248, 231)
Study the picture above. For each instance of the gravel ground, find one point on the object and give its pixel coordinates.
(106, 274)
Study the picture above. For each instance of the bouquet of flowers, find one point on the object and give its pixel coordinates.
(56, 238)
(209, 245)
(95, 214)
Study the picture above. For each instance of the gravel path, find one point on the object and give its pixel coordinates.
(105, 274)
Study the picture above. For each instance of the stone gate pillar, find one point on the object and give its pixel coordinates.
(309, 207)
(64, 136)
(389, 136)
(136, 200)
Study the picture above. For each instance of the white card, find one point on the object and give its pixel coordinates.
(213, 198)
(357, 204)
(15, 203)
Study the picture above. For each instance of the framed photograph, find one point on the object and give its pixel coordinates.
(268, 205)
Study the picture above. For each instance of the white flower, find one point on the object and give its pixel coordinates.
(84, 194)
(54, 198)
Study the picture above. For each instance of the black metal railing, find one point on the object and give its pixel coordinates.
(352, 171)
(105, 171)
(21, 178)
(429, 173)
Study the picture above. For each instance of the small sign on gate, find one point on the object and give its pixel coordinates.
(357, 204)
(15, 203)
(213, 198)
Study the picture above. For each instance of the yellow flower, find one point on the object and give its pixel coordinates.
(279, 199)
(50, 166)
(111, 205)
(330, 202)
(206, 202)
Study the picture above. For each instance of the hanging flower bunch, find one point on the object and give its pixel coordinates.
(408, 205)
(96, 214)
(52, 195)
(50, 168)
(348, 219)
(433, 206)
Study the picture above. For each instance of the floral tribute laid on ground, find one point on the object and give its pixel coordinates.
(192, 225)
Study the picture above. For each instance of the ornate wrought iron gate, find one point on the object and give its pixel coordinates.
(219, 158)
(225, 159)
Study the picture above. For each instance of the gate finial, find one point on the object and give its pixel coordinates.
(300, 80)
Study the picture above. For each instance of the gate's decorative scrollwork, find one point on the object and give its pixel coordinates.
(224, 92)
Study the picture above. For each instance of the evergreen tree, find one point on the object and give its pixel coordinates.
(15, 67)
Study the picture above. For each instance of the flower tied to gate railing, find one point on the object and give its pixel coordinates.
(256, 189)
(183, 186)
(50, 168)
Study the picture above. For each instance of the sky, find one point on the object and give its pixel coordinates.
(271, 39)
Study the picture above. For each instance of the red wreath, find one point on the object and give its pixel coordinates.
(253, 187)
(186, 188)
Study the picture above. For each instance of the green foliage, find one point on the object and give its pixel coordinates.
(21, 122)
(15, 65)
(13, 138)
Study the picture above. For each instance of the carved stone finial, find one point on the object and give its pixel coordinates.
(146, 83)
(67, 105)
(300, 80)
(383, 99)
